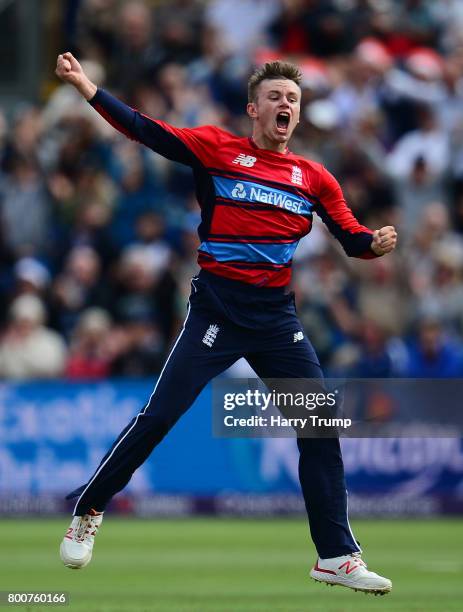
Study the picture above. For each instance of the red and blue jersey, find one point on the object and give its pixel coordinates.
(255, 204)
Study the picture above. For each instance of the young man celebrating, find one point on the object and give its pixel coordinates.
(257, 200)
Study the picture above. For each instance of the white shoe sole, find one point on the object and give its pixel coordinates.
(339, 581)
(73, 563)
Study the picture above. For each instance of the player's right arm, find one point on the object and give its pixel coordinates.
(187, 146)
(356, 239)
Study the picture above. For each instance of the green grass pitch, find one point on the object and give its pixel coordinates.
(218, 565)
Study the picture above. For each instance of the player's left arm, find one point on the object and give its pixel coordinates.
(356, 239)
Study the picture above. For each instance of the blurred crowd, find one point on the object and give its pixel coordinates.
(98, 235)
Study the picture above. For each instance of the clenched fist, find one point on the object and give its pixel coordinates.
(384, 240)
(69, 70)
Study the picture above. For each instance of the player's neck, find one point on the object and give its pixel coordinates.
(262, 142)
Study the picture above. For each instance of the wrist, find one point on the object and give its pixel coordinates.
(87, 89)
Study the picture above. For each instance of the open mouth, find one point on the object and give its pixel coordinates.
(283, 121)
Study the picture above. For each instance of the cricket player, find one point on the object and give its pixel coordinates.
(257, 200)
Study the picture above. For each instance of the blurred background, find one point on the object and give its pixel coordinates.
(98, 238)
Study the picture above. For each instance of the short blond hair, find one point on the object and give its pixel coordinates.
(272, 70)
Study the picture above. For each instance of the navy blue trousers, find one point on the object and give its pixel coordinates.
(260, 325)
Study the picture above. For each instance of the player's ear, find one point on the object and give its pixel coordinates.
(251, 110)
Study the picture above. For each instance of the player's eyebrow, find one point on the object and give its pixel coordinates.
(275, 91)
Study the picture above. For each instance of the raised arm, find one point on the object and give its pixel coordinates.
(356, 239)
(187, 146)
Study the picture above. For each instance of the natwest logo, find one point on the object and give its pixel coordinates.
(239, 191)
(275, 198)
(263, 194)
(247, 161)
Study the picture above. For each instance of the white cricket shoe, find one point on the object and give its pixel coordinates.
(77, 545)
(350, 571)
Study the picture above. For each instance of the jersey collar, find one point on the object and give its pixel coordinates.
(254, 146)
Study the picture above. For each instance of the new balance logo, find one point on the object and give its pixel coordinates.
(298, 336)
(349, 568)
(239, 191)
(69, 533)
(247, 161)
(211, 335)
(296, 175)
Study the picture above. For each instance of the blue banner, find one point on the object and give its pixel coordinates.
(53, 435)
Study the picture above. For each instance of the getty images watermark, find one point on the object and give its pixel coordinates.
(311, 408)
(263, 402)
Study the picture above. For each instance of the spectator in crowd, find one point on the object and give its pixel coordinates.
(28, 349)
(379, 356)
(241, 24)
(383, 295)
(90, 352)
(135, 55)
(444, 296)
(418, 165)
(141, 350)
(77, 287)
(177, 24)
(24, 207)
(138, 273)
(433, 228)
(139, 191)
(360, 91)
(433, 354)
(326, 302)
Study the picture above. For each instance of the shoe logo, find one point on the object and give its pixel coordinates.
(349, 569)
(69, 533)
(239, 191)
(247, 161)
(296, 175)
(211, 335)
(298, 336)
